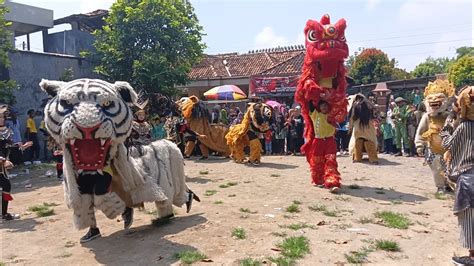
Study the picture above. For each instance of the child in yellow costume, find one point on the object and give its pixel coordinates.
(256, 120)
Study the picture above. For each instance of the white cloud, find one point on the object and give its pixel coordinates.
(91, 5)
(300, 39)
(371, 4)
(267, 38)
(426, 11)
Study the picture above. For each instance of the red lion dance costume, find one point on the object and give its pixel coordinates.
(323, 79)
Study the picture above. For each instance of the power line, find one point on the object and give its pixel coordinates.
(423, 43)
(407, 36)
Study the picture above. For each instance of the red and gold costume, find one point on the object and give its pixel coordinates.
(323, 78)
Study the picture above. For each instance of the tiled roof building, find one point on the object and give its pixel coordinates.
(237, 69)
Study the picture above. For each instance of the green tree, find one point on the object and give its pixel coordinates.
(465, 50)
(370, 66)
(152, 44)
(67, 75)
(399, 74)
(461, 72)
(431, 67)
(6, 86)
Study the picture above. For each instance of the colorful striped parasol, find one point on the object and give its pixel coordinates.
(225, 92)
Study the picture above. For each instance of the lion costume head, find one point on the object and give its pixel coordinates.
(437, 94)
(465, 103)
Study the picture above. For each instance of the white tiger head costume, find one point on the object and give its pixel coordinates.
(89, 117)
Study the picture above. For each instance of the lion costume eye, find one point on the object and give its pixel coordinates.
(106, 103)
(312, 37)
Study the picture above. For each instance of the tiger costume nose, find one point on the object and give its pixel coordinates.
(88, 132)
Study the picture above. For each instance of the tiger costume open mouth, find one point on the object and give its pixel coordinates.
(89, 154)
(435, 105)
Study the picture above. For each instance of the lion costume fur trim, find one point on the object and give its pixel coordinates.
(197, 118)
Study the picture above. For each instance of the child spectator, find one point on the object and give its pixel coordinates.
(268, 142)
(158, 131)
(32, 135)
(387, 132)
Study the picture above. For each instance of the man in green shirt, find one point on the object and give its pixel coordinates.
(400, 116)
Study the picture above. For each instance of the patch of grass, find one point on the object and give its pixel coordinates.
(299, 226)
(293, 208)
(330, 213)
(440, 196)
(393, 220)
(387, 245)
(342, 198)
(203, 172)
(210, 192)
(297, 202)
(189, 256)
(70, 244)
(223, 186)
(275, 175)
(50, 204)
(249, 262)
(366, 220)
(42, 210)
(295, 247)
(397, 202)
(282, 261)
(354, 186)
(247, 210)
(239, 233)
(217, 202)
(231, 195)
(231, 184)
(359, 256)
(318, 208)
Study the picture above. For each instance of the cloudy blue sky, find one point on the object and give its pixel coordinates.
(407, 30)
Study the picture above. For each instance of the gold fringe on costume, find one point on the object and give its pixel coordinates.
(214, 134)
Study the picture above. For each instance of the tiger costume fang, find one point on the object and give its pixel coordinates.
(91, 119)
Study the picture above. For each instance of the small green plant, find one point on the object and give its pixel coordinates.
(387, 245)
(331, 213)
(210, 192)
(203, 172)
(294, 247)
(217, 202)
(239, 233)
(297, 202)
(282, 261)
(247, 210)
(223, 186)
(189, 256)
(440, 196)
(358, 257)
(393, 220)
(231, 184)
(354, 186)
(249, 262)
(397, 202)
(342, 198)
(293, 208)
(365, 220)
(275, 175)
(42, 210)
(318, 208)
(299, 226)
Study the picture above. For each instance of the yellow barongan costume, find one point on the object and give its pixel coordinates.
(256, 121)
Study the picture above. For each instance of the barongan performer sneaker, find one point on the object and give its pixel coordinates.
(127, 217)
(92, 234)
(463, 261)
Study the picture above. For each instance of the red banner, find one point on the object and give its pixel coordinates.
(273, 86)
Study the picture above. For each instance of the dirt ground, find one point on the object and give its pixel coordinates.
(265, 191)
